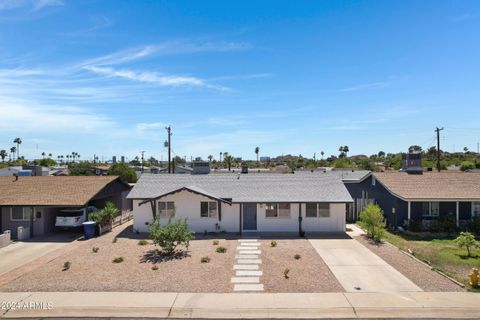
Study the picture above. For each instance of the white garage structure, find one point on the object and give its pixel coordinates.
(243, 203)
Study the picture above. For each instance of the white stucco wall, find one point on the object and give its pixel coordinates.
(187, 205)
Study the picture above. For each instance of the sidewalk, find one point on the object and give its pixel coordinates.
(459, 305)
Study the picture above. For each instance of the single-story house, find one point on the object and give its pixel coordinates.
(33, 202)
(421, 196)
(314, 202)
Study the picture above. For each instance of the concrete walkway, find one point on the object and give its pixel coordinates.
(359, 269)
(247, 267)
(434, 305)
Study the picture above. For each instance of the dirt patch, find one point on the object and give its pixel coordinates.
(90, 271)
(307, 274)
(417, 272)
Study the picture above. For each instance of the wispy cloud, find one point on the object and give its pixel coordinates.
(96, 23)
(462, 17)
(150, 126)
(31, 4)
(366, 86)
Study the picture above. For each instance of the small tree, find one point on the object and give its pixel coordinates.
(373, 221)
(126, 173)
(466, 240)
(105, 216)
(171, 235)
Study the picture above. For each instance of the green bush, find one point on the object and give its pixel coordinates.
(66, 265)
(467, 165)
(105, 216)
(466, 240)
(142, 242)
(286, 272)
(126, 173)
(373, 221)
(154, 268)
(273, 243)
(95, 249)
(297, 256)
(117, 260)
(215, 242)
(171, 235)
(473, 225)
(415, 225)
(205, 260)
(221, 249)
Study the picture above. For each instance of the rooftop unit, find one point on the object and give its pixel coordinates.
(412, 163)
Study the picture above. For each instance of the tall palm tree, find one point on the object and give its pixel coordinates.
(3, 154)
(257, 151)
(43, 155)
(210, 157)
(322, 153)
(13, 150)
(18, 141)
(228, 160)
(49, 155)
(221, 153)
(346, 150)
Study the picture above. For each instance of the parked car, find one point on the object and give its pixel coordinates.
(73, 218)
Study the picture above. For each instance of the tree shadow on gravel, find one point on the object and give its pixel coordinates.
(157, 256)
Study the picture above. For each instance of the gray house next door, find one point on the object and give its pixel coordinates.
(249, 216)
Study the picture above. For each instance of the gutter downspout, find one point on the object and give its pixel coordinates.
(300, 232)
(240, 219)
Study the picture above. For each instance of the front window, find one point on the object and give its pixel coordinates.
(166, 209)
(430, 209)
(208, 209)
(476, 209)
(274, 210)
(21, 214)
(320, 210)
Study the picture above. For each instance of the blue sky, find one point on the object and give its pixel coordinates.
(106, 77)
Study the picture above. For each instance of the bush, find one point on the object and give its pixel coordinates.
(285, 273)
(105, 216)
(66, 265)
(205, 260)
(466, 240)
(297, 256)
(117, 260)
(171, 235)
(114, 240)
(154, 267)
(215, 242)
(474, 225)
(95, 249)
(273, 243)
(467, 165)
(415, 225)
(142, 242)
(373, 221)
(221, 249)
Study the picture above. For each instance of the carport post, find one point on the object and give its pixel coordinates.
(300, 233)
(409, 213)
(457, 213)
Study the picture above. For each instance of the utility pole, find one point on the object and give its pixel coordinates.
(169, 134)
(142, 152)
(437, 130)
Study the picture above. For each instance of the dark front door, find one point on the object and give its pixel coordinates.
(249, 216)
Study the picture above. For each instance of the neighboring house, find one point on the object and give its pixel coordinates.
(33, 202)
(101, 170)
(422, 196)
(243, 203)
(10, 171)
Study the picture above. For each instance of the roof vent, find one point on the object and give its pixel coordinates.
(412, 163)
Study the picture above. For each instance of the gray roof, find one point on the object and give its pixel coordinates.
(315, 187)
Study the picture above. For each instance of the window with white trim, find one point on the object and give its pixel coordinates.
(317, 210)
(208, 209)
(431, 209)
(21, 214)
(476, 209)
(166, 209)
(277, 210)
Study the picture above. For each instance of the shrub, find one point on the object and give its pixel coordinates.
(473, 225)
(171, 235)
(286, 271)
(205, 260)
(126, 173)
(221, 249)
(215, 242)
(466, 240)
(415, 225)
(273, 243)
(154, 267)
(117, 260)
(95, 249)
(114, 240)
(297, 256)
(66, 265)
(105, 216)
(373, 221)
(467, 165)
(142, 242)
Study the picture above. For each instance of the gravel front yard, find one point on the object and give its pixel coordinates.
(307, 274)
(420, 274)
(91, 271)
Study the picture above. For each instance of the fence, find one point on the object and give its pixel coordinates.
(125, 216)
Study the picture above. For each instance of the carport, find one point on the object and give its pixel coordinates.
(29, 205)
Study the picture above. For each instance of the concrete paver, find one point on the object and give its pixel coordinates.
(245, 280)
(245, 267)
(249, 261)
(248, 287)
(359, 269)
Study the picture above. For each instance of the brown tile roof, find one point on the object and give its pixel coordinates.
(432, 185)
(51, 191)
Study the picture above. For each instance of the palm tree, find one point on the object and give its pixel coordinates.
(322, 153)
(228, 160)
(210, 157)
(220, 156)
(3, 154)
(49, 155)
(346, 150)
(13, 150)
(257, 151)
(43, 155)
(18, 141)
(465, 149)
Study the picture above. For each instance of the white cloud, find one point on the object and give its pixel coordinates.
(366, 86)
(33, 4)
(150, 126)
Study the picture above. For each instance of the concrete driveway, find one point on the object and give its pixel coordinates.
(22, 252)
(360, 270)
